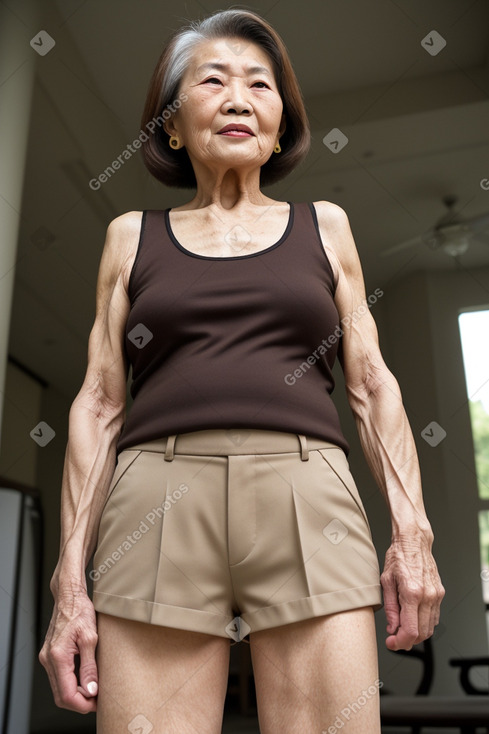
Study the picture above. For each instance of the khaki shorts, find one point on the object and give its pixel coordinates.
(231, 531)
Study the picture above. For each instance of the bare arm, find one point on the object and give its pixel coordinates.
(410, 579)
(96, 415)
(95, 420)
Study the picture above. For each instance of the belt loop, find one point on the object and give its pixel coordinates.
(304, 449)
(170, 443)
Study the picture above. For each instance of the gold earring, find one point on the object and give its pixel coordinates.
(277, 148)
(174, 142)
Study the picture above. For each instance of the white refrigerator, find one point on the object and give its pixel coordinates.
(20, 564)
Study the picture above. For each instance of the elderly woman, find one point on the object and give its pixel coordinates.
(223, 506)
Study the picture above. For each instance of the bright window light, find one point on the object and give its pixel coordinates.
(474, 334)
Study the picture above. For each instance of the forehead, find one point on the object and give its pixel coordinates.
(239, 54)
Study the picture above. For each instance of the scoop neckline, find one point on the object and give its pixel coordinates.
(178, 244)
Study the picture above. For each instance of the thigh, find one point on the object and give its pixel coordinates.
(159, 679)
(319, 674)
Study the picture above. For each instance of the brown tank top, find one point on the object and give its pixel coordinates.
(232, 342)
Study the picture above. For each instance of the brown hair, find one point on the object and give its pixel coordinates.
(173, 167)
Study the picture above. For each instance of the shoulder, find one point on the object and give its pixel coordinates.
(125, 226)
(333, 222)
(329, 213)
(336, 235)
(121, 243)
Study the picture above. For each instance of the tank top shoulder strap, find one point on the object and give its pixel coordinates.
(149, 246)
(307, 235)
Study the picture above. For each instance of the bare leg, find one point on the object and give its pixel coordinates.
(316, 672)
(151, 676)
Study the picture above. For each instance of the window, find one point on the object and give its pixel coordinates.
(474, 334)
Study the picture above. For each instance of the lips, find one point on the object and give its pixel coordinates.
(236, 129)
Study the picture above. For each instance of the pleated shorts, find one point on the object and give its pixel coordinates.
(228, 532)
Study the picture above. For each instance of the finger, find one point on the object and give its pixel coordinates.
(88, 674)
(391, 605)
(425, 621)
(436, 606)
(406, 635)
(429, 614)
(65, 684)
(434, 619)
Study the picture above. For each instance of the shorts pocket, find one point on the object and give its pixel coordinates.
(338, 463)
(125, 459)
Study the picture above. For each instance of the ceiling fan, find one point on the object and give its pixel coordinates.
(451, 233)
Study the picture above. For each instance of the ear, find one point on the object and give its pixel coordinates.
(283, 125)
(169, 127)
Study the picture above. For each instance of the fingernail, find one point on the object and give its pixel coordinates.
(92, 688)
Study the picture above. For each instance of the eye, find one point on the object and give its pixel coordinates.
(214, 79)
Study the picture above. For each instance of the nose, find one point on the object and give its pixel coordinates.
(239, 108)
(237, 103)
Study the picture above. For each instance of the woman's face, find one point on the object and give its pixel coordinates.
(223, 88)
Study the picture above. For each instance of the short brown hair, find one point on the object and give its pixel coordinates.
(173, 167)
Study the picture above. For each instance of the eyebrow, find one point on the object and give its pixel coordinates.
(225, 67)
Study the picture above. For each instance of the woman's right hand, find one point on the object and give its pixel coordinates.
(95, 421)
(72, 632)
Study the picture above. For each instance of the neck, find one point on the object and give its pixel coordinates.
(231, 188)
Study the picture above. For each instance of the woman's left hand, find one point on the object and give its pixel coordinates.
(413, 591)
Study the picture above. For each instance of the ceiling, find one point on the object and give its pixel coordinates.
(417, 125)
